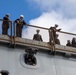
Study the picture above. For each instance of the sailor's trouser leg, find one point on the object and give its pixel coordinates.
(19, 32)
(4, 31)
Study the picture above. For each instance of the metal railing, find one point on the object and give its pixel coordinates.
(27, 26)
(53, 46)
(67, 48)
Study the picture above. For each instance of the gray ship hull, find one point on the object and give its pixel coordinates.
(12, 61)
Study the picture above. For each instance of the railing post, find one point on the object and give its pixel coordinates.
(10, 32)
(14, 33)
(53, 42)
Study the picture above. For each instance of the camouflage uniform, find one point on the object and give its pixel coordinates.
(5, 26)
(19, 27)
(73, 42)
(68, 43)
(52, 35)
(37, 37)
(57, 41)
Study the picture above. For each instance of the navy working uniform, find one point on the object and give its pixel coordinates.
(52, 33)
(5, 25)
(37, 36)
(57, 41)
(74, 42)
(19, 26)
(68, 43)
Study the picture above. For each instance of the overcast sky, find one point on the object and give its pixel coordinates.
(44, 13)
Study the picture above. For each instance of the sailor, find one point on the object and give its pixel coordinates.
(5, 24)
(57, 41)
(52, 33)
(37, 36)
(74, 42)
(68, 43)
(19, 26)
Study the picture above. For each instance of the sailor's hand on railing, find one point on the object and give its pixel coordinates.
(58, 29)
(9, 20)
(18, 22)
(5, 20)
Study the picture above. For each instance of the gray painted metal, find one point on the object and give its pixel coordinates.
(10, 59)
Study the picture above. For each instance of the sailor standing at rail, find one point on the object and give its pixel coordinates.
(57, 41)
(19, 26)
(37, 36)
(5, 24)
(52, 33)
(68, 43)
